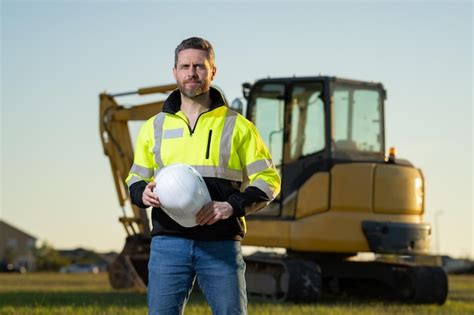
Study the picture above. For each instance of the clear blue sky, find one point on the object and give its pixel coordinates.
(58, 56)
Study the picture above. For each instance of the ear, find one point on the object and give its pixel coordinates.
(174, 74)
(213, 73)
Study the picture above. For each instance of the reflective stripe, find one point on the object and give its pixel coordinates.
(141, 171)
(134, 179)
(173, 133)
(258, 166)
(219, 172)
(226, 138)
(158, 126)
(263, 186)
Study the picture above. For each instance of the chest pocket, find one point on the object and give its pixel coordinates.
(173, 133)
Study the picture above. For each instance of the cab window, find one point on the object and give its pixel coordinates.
(267, 111)
(307, 120)
(357, 122)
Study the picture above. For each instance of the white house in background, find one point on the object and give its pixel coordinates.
(16, 247)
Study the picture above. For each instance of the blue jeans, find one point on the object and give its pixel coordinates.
(176, 262)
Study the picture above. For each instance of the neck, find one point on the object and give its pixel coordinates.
(195, 105)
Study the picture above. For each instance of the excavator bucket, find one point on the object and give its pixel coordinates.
(130, 268)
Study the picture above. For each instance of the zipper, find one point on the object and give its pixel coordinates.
(195, 124)
(191, 130)
(186, 123)
(208, 144)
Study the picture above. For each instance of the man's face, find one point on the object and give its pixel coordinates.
(193, 72)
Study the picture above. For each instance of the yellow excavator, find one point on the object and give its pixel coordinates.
(341, 195)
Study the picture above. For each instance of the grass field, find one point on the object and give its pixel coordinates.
(49, 293)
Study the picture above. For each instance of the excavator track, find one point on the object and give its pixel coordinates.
(297, 279)
(391, 281)
(280, 278)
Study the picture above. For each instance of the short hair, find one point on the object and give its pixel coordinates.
(195, 43)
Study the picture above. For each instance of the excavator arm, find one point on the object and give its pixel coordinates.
(118, 147)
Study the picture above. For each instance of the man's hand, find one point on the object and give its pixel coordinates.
(213, 212)
(149, 198)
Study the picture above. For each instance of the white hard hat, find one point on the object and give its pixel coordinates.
(182, 193)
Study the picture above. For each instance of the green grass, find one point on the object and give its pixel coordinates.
(48, 293)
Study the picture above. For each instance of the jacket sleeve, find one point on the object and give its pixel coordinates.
(261, 179)
(142, 170)
(136, 192)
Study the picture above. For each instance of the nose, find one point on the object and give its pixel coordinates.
(192, 73)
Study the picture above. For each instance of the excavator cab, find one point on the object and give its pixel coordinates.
(311, 124)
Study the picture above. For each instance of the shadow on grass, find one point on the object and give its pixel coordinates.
(341, 300)
(81, 298)
(38, 298)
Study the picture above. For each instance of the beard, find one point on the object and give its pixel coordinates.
(195, 91)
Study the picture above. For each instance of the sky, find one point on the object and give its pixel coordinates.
(57, 56)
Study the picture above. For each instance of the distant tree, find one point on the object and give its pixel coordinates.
(48, 259)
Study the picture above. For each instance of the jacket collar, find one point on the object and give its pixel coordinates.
(172, 104)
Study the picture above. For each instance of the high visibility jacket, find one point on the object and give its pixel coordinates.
(224, 147)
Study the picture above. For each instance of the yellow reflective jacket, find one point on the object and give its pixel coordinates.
(224, 147)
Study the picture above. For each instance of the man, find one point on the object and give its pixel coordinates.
(197, 128)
